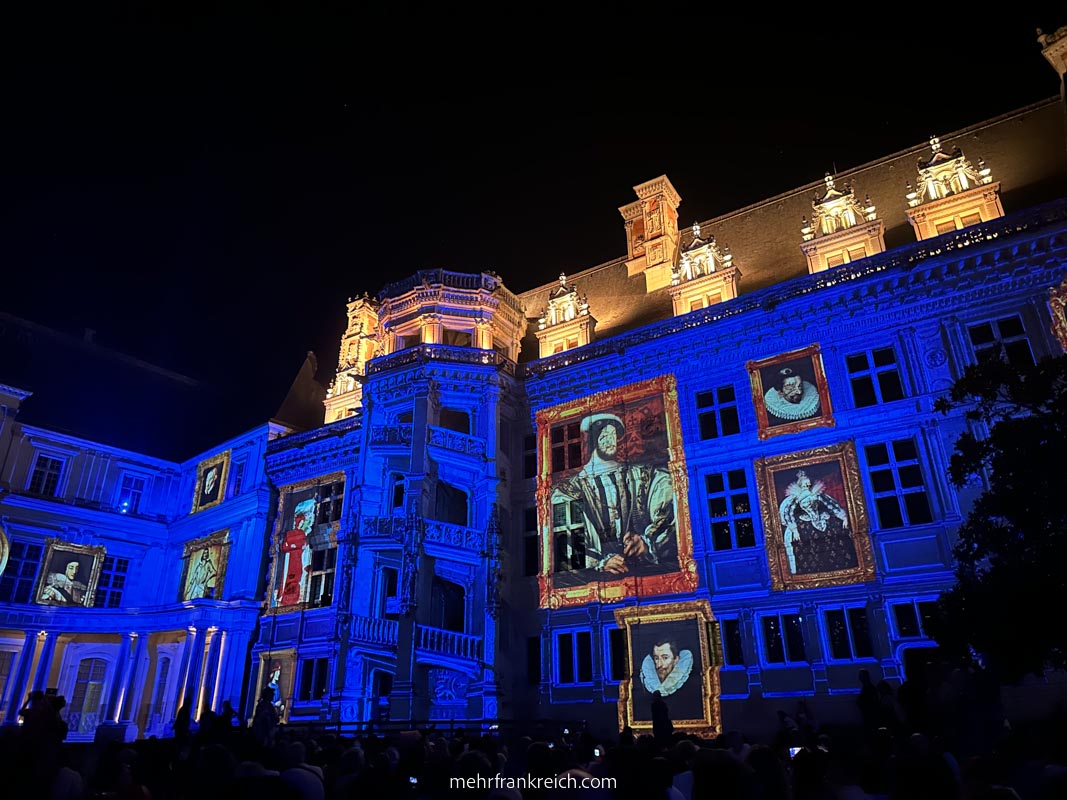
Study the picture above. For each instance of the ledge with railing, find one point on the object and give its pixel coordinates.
(455, 535)
(456, 442)
(391, 435)
(424, 353)
(448, 643)
(372, 630)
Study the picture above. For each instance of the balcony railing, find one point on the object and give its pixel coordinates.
(455, 535)
(449, 643)
(424, 353)
(457, 442)
(391, 434)
(395, 528)
(371, 630)
(440, 277)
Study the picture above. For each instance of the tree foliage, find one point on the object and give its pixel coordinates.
(1012, 549)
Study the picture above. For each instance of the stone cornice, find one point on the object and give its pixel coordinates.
(328, 434)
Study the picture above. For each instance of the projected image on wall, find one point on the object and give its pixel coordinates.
(205, 567)
(294, 549)
(672, 661)
(608, 497)
(69, 575)
(814, 517)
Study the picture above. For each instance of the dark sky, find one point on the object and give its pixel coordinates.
(205, 189)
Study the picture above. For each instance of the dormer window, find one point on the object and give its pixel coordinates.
(951, 193)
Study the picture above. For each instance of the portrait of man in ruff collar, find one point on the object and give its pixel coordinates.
(790, 393)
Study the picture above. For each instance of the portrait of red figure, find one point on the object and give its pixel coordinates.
(296, 554)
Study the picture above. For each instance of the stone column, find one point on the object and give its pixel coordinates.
(206, 696)
(128, 695)
(44, 664)
(21, 678)
(232, 661)
(118, 682)
(190, 663)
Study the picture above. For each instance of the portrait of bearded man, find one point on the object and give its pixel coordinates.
(627, 509)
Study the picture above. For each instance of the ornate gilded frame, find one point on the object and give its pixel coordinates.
(192, 548)
(5, 549)
(844, 456)
(287, 659)
(285, 494)
(825, 418)
(699, 611)
(610, 591)
(1057, 305)
(55, 546)
(222, 458)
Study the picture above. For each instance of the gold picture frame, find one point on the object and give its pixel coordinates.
(644, 416)
(211, 477)
(686, 634)
(5, 550)
(808, 405)
(814, 518)
(204, 569)
(69, 574)
(277, 671)
(1057, 306)
(292, 541)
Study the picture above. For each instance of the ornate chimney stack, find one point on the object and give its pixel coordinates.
(652, 232)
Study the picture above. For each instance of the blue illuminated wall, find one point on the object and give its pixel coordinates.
(893, 332)
(424, 556)
(142, 628)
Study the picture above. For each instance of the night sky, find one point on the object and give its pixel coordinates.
(205, 189)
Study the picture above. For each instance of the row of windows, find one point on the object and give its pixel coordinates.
(897, 487)
(781, 639)
(48, 470)
(874, 378)
(873, 375)
(20, 576)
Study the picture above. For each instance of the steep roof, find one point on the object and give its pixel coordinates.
(97, 393)
(1026, 151)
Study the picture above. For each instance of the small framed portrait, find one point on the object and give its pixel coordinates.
(790, 393)
(205, 567)
(275, 684)
(69, 574)
(814, 518)
(673, 667)
(211, 475)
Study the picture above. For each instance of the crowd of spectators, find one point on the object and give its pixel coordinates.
(947, 741)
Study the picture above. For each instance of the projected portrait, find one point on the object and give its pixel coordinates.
(611, 522)
(211, 474)
(789, 392)
(305, 537)
(69, 574)
(814, 518)
(672, 656)
(205, 567)
(276, 681)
